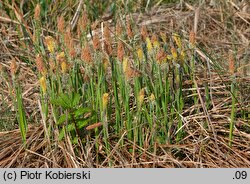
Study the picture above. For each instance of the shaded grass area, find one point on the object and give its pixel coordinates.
(158, 101)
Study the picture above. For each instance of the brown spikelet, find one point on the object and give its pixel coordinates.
(69, 42)
(144, 33)
(72, 51)
(13, 68)
(83, 23)
(96, 42)
(90, 127)
(161, 56)
(231, 63)
(108, 48)
(40, 65)
(52, 65)
(192, 38)
(67, 38)
(37, 12)
(129, 29)
(71, 48)
(107, 35)
(154, 38)
(120, 50)
(85, 20)
(118, 29)
(86, 54)
(60, 24)
(129, 72)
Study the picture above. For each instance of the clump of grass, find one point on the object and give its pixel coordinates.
(123, 84)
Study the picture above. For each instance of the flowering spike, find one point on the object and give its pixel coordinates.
(50, 43)
(231, 63)
(140, 54)
(129, 29)
(86, 54)
(40, 65)
(177, 40)
(155, 42)
(107, 35)
(108, 48)
(96, 42)
(144, 33)
(152, 97)
(105, 98)
(174, 53)
(149, 45)
(120, 50)
(161, 56)
(118, 29)
(192, 39)
(141, 96)
(43, 84)
(13, 68)
(60, 24)
(37, 12)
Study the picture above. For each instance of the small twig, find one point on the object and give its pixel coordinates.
(76, 15)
